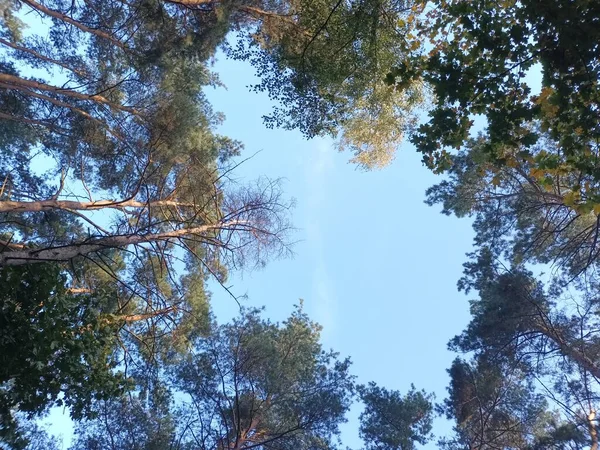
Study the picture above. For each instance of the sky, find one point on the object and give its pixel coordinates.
(374, 265)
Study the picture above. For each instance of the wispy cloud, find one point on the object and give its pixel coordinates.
(323, 299)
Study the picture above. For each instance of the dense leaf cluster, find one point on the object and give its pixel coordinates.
(105, 255)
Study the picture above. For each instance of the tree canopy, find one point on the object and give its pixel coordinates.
(393, 421)
(119, 201)
(108, 97)
(250, 383)
(513, 125)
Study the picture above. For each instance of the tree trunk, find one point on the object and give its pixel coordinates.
(568, 350)
(69, 251)
(42, 205)
(12, 80)
(592, 428)
(79, 291)
(137, 317)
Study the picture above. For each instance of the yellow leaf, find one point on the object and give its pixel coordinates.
(537, 173)
(544, 94)
(570, 198)
(512, 162)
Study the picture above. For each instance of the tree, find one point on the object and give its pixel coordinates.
(133, 422)
(393, 421)
(529, 207)
(137, 207)
(476, 63)
(528, 343)
(70, 327)
(533, 169)
(138, 202)
(248, 384)
(529, 180)
(51, 342)
(496, 406)
(31, 436)
(325, 62)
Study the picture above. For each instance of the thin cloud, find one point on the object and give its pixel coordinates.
(324, 299)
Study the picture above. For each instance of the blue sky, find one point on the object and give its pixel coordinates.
(374, 265)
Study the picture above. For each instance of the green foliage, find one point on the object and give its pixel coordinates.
(535, 350)
(51, 342)
(247, 384)
(134, 422)
(520, 212)
(325, 62)
(255, 381)
(529, 180)
(393, 421)
(29, 435)
(135, 204)
(496, 406)
(11, 24)
(476, 61)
